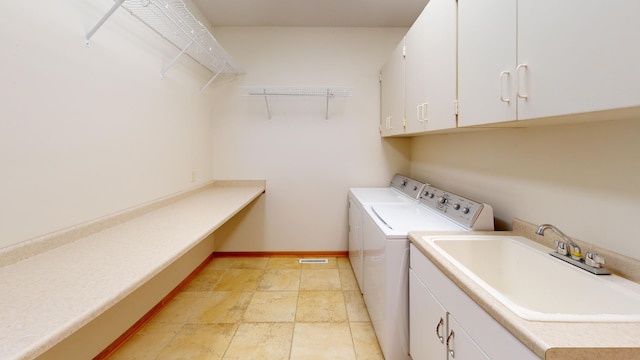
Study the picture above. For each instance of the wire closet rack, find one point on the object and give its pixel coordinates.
(173, 21)
(270, 91)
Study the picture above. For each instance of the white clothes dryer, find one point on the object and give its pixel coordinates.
(401, 189)
(386, 256)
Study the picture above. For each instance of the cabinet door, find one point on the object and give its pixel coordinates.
(392, 93)
(581, 56)
(486, 61)
(355, 241)
(459, 344)
(427, 322)
(430, 61)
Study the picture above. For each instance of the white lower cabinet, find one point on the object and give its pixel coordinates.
(445, 323)
(434, 333)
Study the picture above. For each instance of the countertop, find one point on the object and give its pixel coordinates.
(49, 294)
(548, 340)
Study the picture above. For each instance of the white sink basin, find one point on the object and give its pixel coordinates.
(522, 275)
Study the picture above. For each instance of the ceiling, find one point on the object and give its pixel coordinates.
(321, 13)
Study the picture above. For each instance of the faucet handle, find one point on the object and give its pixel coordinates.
(576, 253)
(593, 259)
(561, 247)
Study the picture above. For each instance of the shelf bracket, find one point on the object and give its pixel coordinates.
(176, 59)
(266, 102)
(210, 81)
(87, 39)
(326, 114)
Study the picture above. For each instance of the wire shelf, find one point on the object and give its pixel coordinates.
(297, 91)
(173, 21)
(269, 91)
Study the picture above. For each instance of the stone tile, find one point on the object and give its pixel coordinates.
(356, 309)
(221, 307)
(321, 306)
(263, 341)
(365, 341)
(322, 341)
(239, 280)
(348, 280)
(284, 263)
(181, 308)
(249, 263)
(325, 279)
(280, 280)
(147, 343)
(343, 263)
(221, 263)
(332, 264)
(199, 341)
(206, 280)
(272, 306)
(158, 328)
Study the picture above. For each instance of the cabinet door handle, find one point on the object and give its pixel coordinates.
(500, 79)
(419, 112)
(440, 324)
(425, 110)
(389, 122)
(450, 339)
(519, 94)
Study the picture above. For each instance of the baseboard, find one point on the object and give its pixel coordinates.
(281, 253)
(117, 343)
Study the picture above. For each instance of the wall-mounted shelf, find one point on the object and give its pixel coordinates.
(269, 91)
(174, 22)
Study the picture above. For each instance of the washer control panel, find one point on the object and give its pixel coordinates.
(408, 186)
(460, 209)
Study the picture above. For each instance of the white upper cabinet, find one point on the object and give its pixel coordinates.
(430, 62)
(486, 61)
(542, 58)
(580, 56)
(392, 93)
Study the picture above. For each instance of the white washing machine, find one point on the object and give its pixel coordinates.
(401, 190)
(386, 256)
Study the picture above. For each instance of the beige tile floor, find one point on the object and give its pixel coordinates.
(261, 308)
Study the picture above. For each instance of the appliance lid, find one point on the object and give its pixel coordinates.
(407, 217)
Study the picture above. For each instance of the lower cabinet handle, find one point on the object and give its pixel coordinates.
(440, 337)
(450, 339)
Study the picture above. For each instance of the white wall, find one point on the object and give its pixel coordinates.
(583, 178)
(309, 163)
(86, 132)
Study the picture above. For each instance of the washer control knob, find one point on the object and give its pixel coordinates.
(404, 183)
(456, 206)
(442, 200)
(431, 195)
(426, 193)
(465, 210)
(415, 188)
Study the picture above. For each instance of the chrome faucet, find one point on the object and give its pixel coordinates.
(592, 261)
(561, 246)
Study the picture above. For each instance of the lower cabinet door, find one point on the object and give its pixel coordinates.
(427, 323)
(459, 345)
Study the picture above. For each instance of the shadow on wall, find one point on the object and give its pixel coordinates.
(244, 231)
(397, 151)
